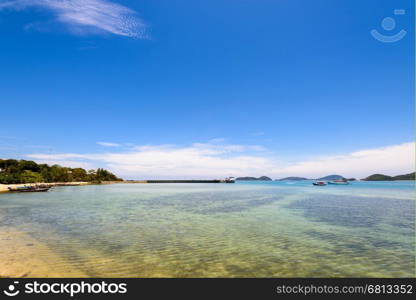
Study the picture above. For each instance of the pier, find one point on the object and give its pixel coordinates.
(182, 181)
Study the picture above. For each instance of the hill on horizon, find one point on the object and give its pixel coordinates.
(293, 178)
(382, 177)
(332, 177)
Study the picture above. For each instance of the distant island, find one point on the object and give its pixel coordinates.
(374, 177)
(292, 178)
(410, 176)
(382, 177)
(262, 178)
(26, 171)
(332, 177)
(329, 178)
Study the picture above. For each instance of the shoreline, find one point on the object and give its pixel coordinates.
(5, 187)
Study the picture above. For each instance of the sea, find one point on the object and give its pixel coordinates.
(246, 229)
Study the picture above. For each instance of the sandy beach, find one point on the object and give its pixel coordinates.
(5, 187)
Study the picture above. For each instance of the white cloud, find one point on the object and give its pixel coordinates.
(210, 160)
(390, 160)
(105, 144)
(199, 160)
(84, 16)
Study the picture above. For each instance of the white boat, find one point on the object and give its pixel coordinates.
(339, 182)
(229, 180)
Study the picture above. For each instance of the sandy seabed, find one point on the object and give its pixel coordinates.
(23, 256)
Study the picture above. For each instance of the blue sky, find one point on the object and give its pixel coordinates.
(159, 88)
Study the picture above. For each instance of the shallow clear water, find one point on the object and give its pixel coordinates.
(253, 229)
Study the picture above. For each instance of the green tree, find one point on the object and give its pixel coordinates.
(6, 163)
(26, 171)
(79, 174)
(28, 165)
(28, 176)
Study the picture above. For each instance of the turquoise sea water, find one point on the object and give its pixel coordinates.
(250, 229)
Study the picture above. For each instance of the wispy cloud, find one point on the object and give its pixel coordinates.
(106, 144)
(86, 16)
(211, 160)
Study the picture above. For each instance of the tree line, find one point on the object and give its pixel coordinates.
(27, 171)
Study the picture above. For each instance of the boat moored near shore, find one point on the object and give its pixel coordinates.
(229, 180)
(30, 188)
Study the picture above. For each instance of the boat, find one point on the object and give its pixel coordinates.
(25, 189)
(36, 189)
(319, 183)
(339, 182)
(229, 180)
